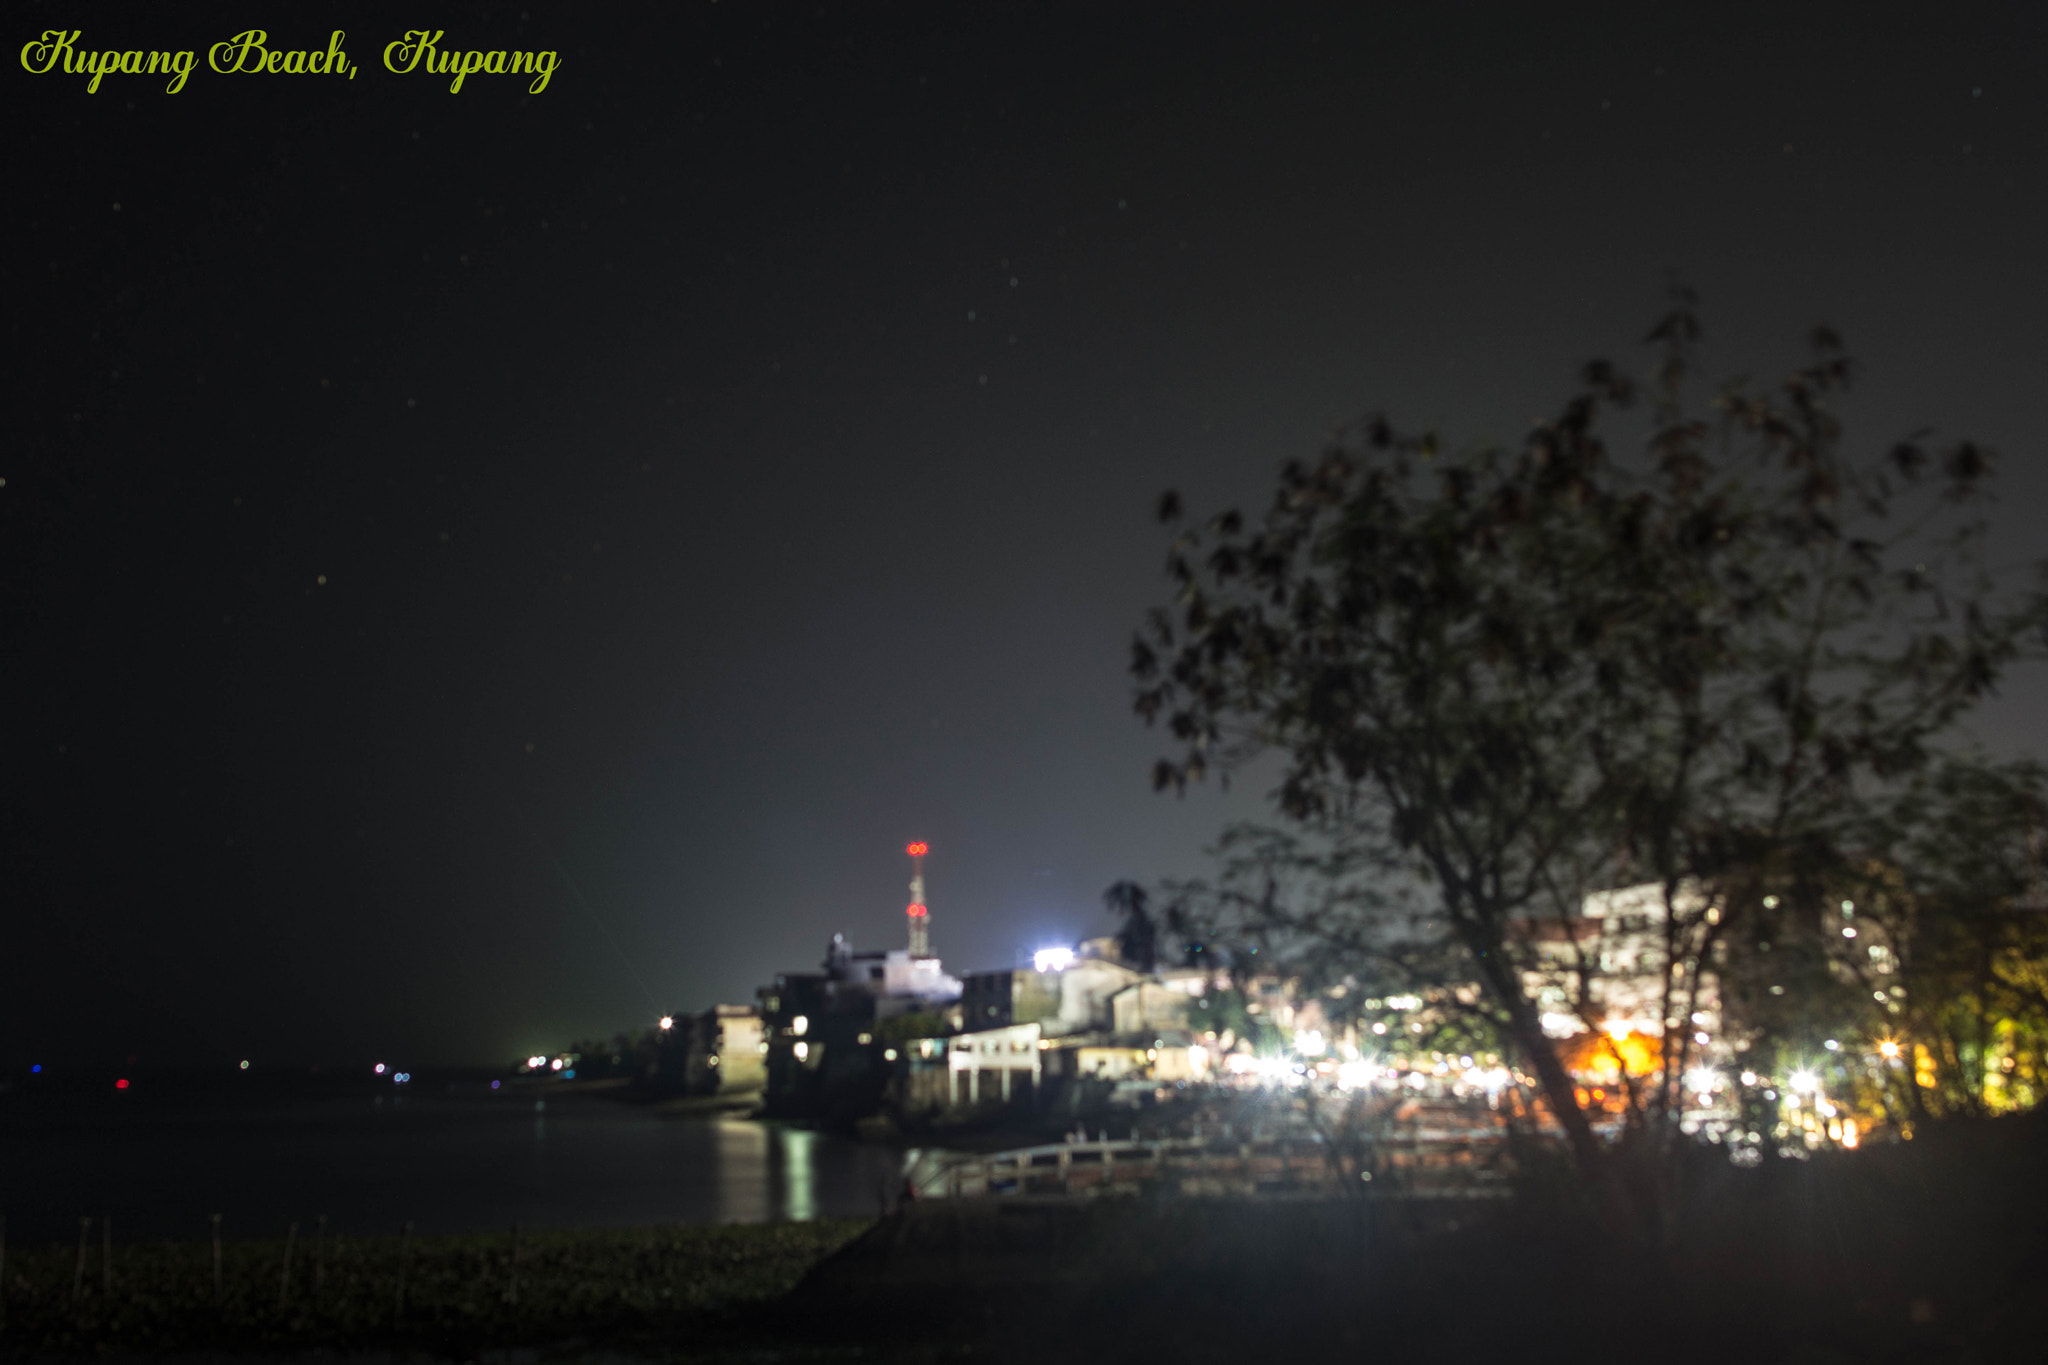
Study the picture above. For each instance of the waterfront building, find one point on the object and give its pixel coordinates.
(824, 1054)
(723, 1051)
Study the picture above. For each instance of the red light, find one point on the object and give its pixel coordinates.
(917, 912)
(918, 850)
(121, 1084)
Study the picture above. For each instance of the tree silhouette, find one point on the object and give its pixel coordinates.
(1137, 935)
(1498, 681)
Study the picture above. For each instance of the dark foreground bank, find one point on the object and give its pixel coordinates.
(1931, 1251)
(1936, 1250)
(639, 1290)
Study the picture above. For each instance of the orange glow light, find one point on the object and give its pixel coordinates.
(917, 911)
(918, 850)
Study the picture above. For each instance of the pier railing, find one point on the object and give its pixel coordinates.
(1418, 1166)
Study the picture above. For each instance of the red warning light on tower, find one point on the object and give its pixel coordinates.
(916, 911)
(918, 850)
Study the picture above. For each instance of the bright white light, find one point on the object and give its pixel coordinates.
(1749, 1078)
(556, 1064)
(1379, 1028)
(1617, 1029)
(1308, 1042)
(803, 1050)
(379, 1068)
(1559, 1025)
(1702, 1080)
(1848, 933)
(1352, 1075)
(535, 1063)
(1887, 1047)
(1805, 1082)
(1404, 1002)
(888, 1054)
(1832, 1046)
(1053, 959)
(800, 1025)
(668, 1021)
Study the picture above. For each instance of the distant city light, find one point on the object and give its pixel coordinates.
(1749, 1078)
(536, 1063)
(1804, 1081)
(400, 1077)
(556, 1064)
(379, 1068)
(121, 1084)
(1888, 1048)
(803, 1050)
(1053, 959)
(889, 1054)
(800, 1025)
(1832, 1046)
(915, 911)
(1379, 1028)
(1702, 1080)
(1308, 1042)
(245, 1064)
(36, 1070)
(494, 1085)
(668, 1021)
(918, 850)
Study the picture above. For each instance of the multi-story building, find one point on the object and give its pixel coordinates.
(820, 1028)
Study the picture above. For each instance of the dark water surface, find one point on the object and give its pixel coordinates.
(450, 1162)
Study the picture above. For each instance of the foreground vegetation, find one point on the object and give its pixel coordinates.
(449, 1295)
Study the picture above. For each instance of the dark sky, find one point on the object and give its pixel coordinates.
(736, 460)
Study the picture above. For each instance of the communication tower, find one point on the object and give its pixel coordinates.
(920, 918)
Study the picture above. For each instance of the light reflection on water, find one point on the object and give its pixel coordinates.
(450, 1165)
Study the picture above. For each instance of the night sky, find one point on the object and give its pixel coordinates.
(484, 569)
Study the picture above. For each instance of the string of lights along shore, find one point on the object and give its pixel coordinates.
(919, 915)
